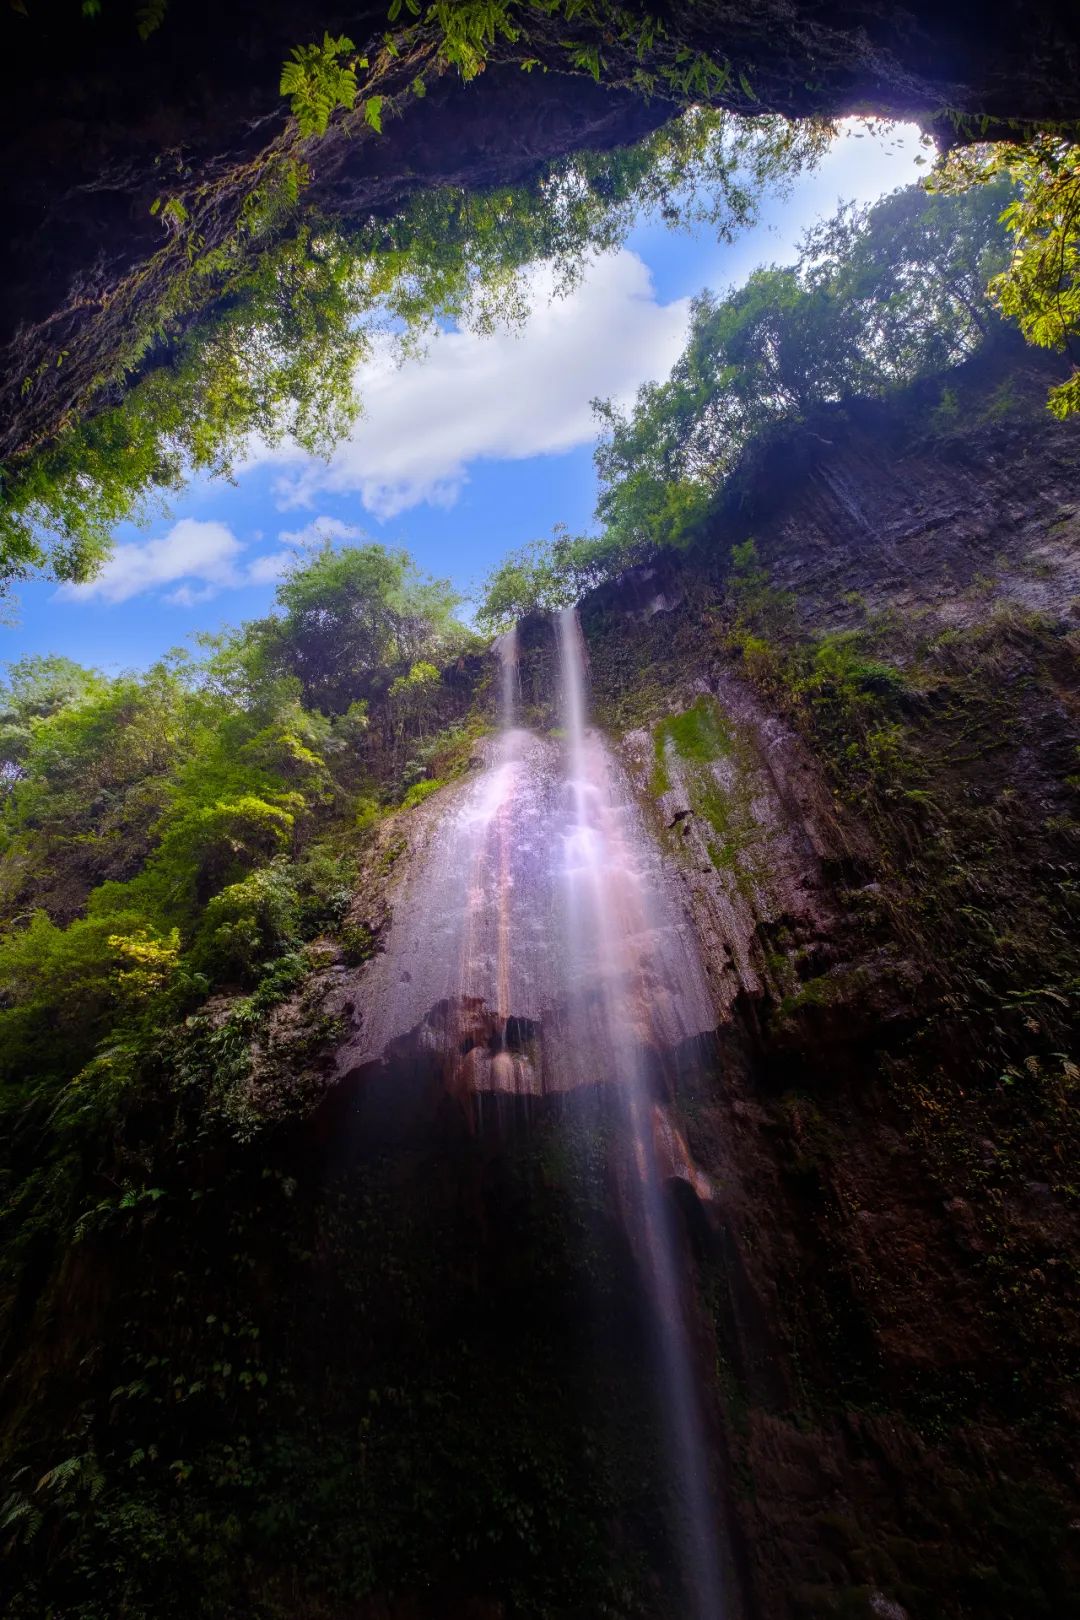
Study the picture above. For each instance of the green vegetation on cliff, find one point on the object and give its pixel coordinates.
(879, 297)
(901, 1080)
(316, 1372)
(1039, 287)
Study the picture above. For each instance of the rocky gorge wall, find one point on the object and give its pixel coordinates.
(856, 747)
(365, 1347)
(859, 750)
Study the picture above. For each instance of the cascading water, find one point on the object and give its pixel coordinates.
(610, 905)
(536, 951)
(508, 684)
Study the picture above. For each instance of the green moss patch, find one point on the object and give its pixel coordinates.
(698, 735)
(421, 791)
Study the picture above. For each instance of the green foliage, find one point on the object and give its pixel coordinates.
(526, 581)
(348, 614)
(840, 693)
(1040, 286)
(358, 944)
(842, 672)
(36, 688)
(260, 334)
(367, 815)
(209, 845)
(147, 961)
(421, 791)
(276, 361)
(318, 79)
(66, 986)
(466, 32)
(414, 688)
(149, 17)
(539, 578)
(878, 297)
(160, 834)
(269, 913)
(86, 771)
(619, 45)
(698, 735)
(414, 700)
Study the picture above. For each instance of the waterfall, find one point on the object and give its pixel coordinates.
(507, 648)
(538, 954)
(508, 1071)
(609, 907)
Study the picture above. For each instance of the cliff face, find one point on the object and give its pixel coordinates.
(885, 902)
(376, 1318)
(857, 755)
(101, 122)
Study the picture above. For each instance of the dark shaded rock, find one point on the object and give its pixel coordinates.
(892, 1149)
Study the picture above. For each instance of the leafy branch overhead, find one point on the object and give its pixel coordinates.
(620, 45)
(278, 356)
(1039, 287)
(318, 79)
(617, 44)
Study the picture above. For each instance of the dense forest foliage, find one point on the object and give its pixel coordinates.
(278, 356)
(172, 831)
(178, 855)
(878, 297)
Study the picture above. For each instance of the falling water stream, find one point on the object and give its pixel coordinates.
(609, 901)
(540, 903)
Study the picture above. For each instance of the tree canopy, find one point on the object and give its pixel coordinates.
(877, 297)
(163, 832)
(349, 616)
(264, 341)
(1039, 286)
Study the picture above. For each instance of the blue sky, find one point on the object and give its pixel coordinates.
(461, 455)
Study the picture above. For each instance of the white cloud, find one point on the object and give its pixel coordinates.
(320, 529)
(269, 569)
(200, 557)
(514, 394)
(525, 392)
(190, 595)
(192, 549)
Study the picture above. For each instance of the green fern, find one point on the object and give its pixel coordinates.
(318, 79)
(149, 17)
(81, 1471)
(18, 1514)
